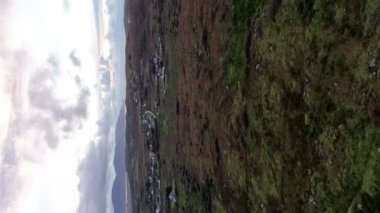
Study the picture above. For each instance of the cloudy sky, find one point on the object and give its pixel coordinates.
(54, 123)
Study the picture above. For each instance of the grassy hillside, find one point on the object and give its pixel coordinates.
(271, 106)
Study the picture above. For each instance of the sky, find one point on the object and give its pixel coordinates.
(57, 136)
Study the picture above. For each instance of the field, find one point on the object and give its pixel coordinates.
(266, 106)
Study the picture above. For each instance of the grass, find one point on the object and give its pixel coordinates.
(267, 184)
(234, 168)
(242, 13)
(165, 125)
(236, 62)
(194, 200)
(308, 144)
(359, 176)
(308, 136)
(218, 206)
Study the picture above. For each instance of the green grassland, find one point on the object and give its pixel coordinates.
(308, 119)
(311, 142)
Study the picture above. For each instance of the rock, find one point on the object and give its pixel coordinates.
(360, 206)
(155, 60)
(172, 197)
(373, 66)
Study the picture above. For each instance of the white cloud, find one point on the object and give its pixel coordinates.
(46, 124)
